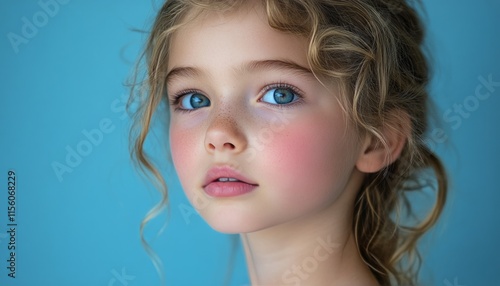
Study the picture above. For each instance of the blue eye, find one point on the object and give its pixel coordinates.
(280, 96)
(194, 100)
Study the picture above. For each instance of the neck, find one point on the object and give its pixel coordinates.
(316, 250)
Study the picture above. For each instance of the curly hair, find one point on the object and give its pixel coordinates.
(373, 50)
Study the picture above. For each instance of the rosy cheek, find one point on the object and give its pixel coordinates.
(307, 160)
(183, 154)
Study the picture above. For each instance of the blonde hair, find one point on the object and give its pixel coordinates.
(373, 50)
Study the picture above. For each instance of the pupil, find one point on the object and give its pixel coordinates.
(198, 101)
(283, 96)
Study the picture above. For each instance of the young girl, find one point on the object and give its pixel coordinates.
(300, 125)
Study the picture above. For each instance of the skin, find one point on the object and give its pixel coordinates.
(305, 157)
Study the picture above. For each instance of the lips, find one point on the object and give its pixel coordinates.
(227, 182)
(225, 174)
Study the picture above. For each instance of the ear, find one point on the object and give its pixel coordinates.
(375, 155)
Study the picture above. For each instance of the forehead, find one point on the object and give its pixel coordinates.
(242, 34)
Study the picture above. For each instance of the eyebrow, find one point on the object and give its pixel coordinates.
(277, 65)
(248, 67)
(182, 72)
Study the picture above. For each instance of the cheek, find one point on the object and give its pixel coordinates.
(309, 161)
(183, 150)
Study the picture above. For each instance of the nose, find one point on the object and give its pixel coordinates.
(225, 135)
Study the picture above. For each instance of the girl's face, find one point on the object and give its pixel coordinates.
(249, 107)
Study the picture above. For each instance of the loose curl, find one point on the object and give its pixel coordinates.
(373, 50)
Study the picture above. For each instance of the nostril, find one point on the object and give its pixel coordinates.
(229, 145)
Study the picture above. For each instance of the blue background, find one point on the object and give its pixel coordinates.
(83, 228)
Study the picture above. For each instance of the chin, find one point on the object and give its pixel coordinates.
(233, 222)
(230, 228)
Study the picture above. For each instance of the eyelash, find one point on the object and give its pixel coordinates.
(175, 98)
(294, 89)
